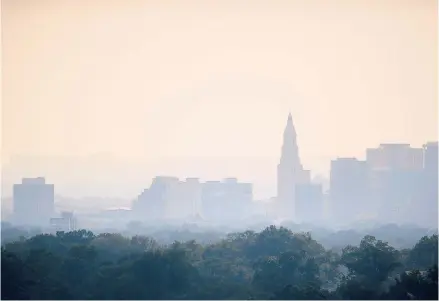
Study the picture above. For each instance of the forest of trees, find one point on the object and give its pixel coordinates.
(272, 264)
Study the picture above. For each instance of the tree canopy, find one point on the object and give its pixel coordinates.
(272, 264)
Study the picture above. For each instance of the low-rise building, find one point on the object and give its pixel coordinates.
(65, 222)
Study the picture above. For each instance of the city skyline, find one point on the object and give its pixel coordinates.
(394, 181)
(268, 190)
(289, 158)
(225, 149)
(395, 178)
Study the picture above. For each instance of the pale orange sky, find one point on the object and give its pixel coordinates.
(149, 79)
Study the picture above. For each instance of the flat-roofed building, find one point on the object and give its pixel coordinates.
(348, 188)
(33, 202)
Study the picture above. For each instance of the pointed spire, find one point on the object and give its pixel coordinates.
(290, 120)
(289, 145)
(290, 126)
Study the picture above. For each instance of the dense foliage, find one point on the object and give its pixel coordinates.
(272, 264)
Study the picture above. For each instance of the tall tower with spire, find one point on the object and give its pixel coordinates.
(290, 172)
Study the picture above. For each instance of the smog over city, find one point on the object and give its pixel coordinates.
(219, 149)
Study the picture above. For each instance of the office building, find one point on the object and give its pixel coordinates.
(395, 178)
(430, 163)
(153, 203)
(172, 199)
(290, 172)
(33, 202)
(428, 207)
(394, 156)
(226, 200)
(348, 189)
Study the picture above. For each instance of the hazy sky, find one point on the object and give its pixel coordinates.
(149, 79)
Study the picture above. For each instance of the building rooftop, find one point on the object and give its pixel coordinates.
(394, 145)
(192, 179)
(39, 180)
(231, 180)
(118, 209)
(431, 143)
(346, 159)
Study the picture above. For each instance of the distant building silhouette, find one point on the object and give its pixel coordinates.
(395, 176)
(192, 193)
(430, 180)
(226, 200)
(348, 188)
(33, 202)
(396, 156)
(397, 183)
(66, 222)
(170, 198)
(431, 158)
(152, 202)
(290, 172)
